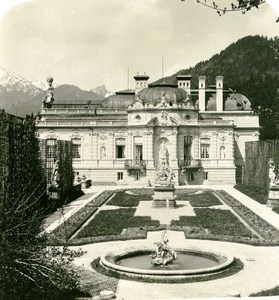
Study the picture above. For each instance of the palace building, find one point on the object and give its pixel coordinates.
(117, 140)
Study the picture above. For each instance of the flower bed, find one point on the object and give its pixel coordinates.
(72, 224)
(112, 222)
(262, 227)
(214, 222)
(121, 198)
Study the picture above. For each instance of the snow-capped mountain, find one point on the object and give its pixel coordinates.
(43, 85)
(14, 82)
(19, 96)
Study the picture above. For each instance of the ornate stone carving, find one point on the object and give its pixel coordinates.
(164, 101)
(75, 135)
(164, 254)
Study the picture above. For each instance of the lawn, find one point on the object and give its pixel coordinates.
(112, 222)
(216, 222)
(121, 198)
(204, 199)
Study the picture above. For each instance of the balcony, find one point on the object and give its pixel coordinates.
(133, 164)
(190, 164)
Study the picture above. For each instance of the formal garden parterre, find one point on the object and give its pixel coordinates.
(120, 223)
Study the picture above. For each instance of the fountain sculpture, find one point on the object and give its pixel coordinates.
(164, 254)
(164, 183)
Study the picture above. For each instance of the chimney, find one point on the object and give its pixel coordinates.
(202, 93)
(184, 82)
(141, 82)
(219, 93)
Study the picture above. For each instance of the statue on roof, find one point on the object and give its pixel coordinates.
(49, 99)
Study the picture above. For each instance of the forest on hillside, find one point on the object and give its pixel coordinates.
(251, 67)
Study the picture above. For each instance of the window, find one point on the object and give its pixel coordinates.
(51, 149)
(76, 148)
(138, 154)
(120, 148)
(119, 176)
(137, 177)
(205, 148)
(205, 176)
(120, 151)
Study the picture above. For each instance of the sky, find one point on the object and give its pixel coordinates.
(91, 42)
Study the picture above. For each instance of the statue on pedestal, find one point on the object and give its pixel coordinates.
(55, 176)
(49, 99)
(165, 174)
(273, 173)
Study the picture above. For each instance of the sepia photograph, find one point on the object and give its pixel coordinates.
(139, 149)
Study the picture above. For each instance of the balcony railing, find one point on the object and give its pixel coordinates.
(190, 164)
(134, 164)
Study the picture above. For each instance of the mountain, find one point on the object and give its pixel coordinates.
(102, 91)
(13, 82)
(19, 96)
(43, 85)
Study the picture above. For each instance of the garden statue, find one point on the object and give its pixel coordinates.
(273, 173)
(49, 99)
(164, 254)
(164, 173)
(77, 179)
(55, 176)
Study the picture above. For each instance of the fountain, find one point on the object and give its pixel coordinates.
(164, 263)
(164, 185)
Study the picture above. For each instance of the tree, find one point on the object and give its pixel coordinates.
(237, 5)
(28, 268)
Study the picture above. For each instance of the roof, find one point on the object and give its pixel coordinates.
(119, 101)
(153, 93)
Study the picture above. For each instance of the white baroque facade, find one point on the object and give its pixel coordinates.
(117, 140)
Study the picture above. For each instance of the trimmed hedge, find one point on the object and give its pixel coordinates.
(262, 227)
(100, 199)
(259, 194)
(112, 222)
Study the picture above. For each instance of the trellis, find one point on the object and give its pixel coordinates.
(61, 151)
(257, 157)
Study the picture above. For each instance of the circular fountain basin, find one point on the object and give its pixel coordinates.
(189, 263)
